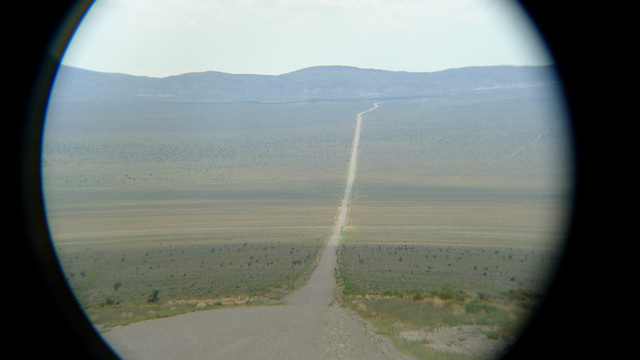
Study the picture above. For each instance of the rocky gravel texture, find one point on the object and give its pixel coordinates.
(265, 332)
(468, 340)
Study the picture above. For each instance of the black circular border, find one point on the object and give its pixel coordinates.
(47, 319)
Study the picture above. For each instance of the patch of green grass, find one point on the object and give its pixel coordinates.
(386, 312)
(476, 305)
(419, 351)
(491, 334)
(392, 314)
(393, 292)
(525, 297)
(350, 287)
(416, 349)
(449, 294)
(415, 294)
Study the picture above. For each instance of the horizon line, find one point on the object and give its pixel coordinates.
(301, 69)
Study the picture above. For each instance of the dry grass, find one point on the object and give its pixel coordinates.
(243, 207)
(441, 328)
(454, 220)
(194, 202)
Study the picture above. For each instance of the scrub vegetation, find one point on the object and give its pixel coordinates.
(456, 217)
(158, 203)
(457, 220)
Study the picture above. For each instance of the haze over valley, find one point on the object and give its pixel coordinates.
(211, 190)
(310, 84)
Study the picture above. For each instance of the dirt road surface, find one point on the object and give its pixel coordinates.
(284, 332)
(307, 326)
(322, 283)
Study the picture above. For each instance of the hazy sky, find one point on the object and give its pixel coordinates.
(168, 37)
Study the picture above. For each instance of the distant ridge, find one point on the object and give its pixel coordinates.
(308, 84)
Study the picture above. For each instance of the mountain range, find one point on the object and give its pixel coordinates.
(316, 83)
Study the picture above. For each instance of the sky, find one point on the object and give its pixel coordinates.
(160, 38)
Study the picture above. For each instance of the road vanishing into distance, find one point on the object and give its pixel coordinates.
(322, 283)
(308, 325)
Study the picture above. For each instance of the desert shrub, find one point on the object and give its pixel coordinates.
(394, 293)
(415, 294)
(484, 295)
(525, 298)
(474, 306)
(492, 334)
(483, 313)
(523, 294)
(153, 298)
(110, 301)
(350, 287)
(498, 317)
(449, 294)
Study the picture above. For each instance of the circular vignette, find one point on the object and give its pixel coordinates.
(55, 320)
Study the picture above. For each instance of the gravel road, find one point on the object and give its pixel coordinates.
(285, 332)
(308, 325)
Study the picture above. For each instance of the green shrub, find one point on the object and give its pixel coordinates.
(527, 299)
(153, 298)
(491, 334)
(476, 305)
(416, 295)
(350, 287)
(110, 301)
(483, 313)
(394, 293)
(449, 294)
(485, 295)
(497, 317)
(522, 294)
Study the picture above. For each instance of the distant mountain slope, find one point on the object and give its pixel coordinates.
(320, 82)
